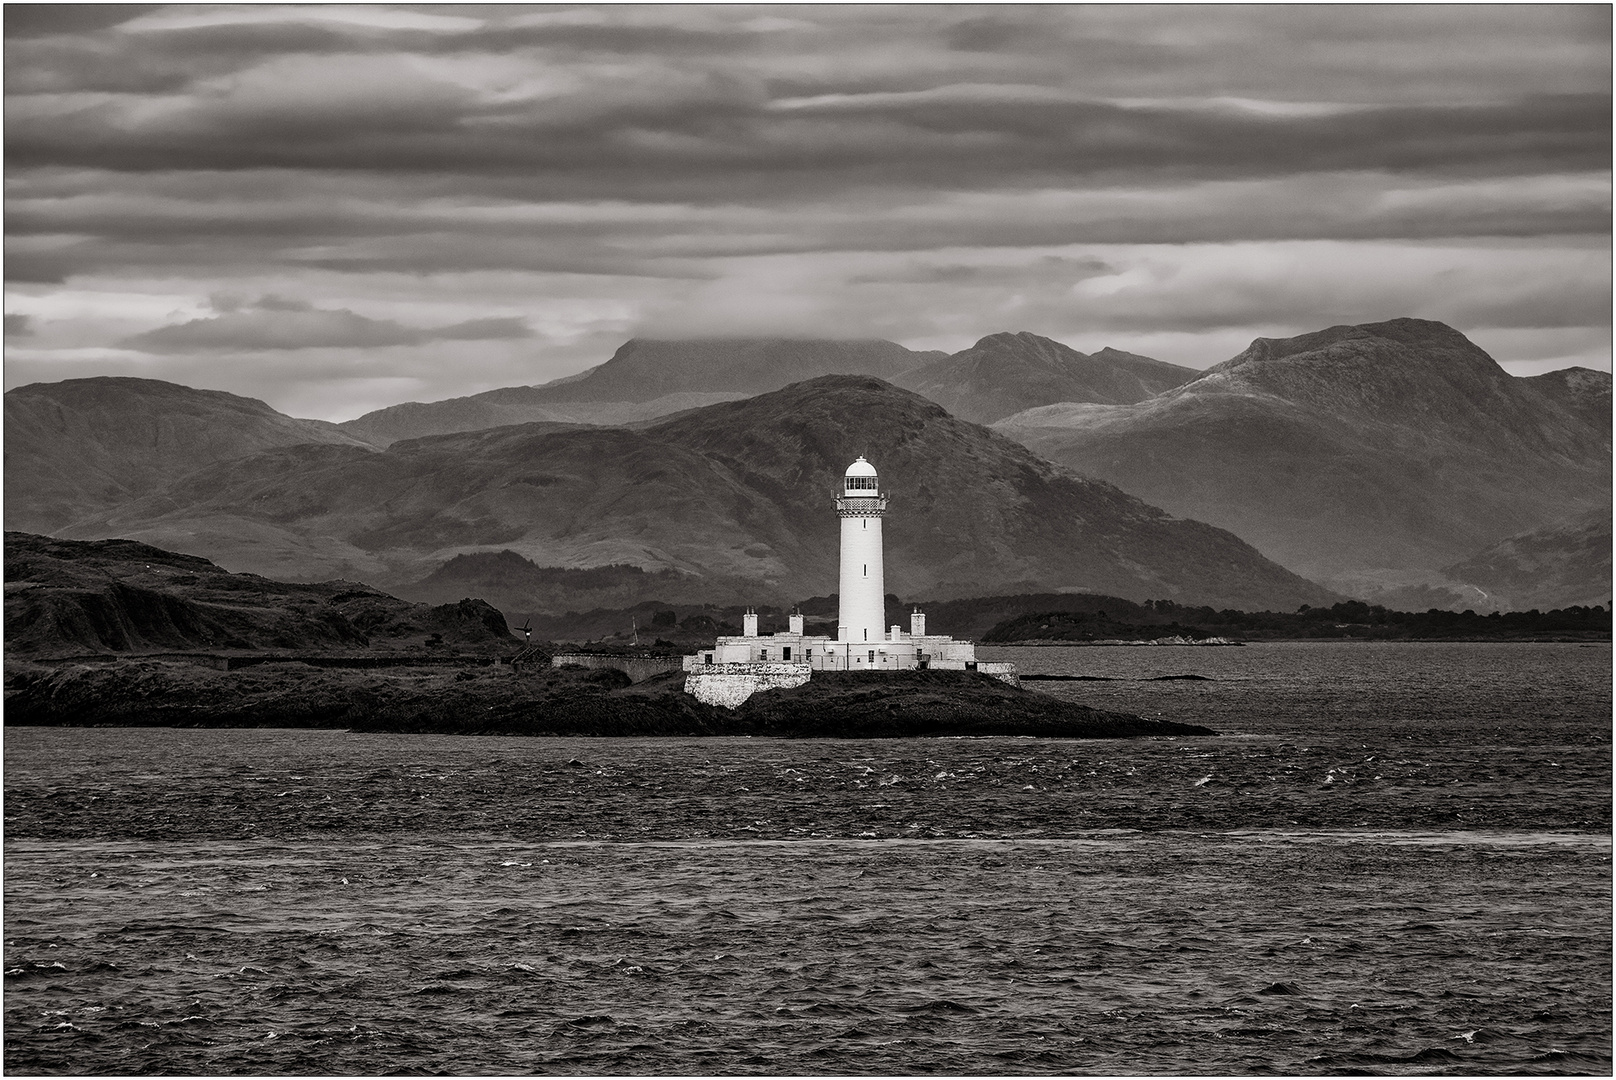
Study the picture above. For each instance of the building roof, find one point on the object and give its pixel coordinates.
(861, 468)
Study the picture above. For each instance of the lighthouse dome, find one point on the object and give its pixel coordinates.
(861, 478)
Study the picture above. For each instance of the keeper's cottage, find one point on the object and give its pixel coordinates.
(735, 667)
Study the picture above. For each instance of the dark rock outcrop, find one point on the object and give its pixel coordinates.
(68, 598)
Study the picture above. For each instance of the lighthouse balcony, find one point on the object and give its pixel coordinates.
(860, 506)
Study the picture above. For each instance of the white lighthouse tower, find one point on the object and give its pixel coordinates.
(739, 665)
(863, 588)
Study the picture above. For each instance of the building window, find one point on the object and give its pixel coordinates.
(785, 652)
(872, 656)
(866, 569)
(708, 659)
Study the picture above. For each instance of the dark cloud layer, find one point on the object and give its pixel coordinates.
(276, 323)
(485, 175)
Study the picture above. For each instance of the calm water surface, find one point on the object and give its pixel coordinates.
(1396, 860)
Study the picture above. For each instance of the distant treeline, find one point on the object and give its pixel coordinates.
(1079, 617)
(1125, 620)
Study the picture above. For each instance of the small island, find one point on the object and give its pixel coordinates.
(114, 632)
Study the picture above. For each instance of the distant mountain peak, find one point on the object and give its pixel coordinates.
(1006, 373)
(1410, 333)
(1354, 451)
(1014, 338)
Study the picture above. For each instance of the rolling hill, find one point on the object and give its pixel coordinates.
(85, 446)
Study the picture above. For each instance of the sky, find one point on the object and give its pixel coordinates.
(336, 208)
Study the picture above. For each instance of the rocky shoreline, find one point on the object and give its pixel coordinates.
(482, 699)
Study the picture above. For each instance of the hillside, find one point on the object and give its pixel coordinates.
(1007, 373)
(84, 446)
(1361, 456)
(1580, 391)
(644, 379)
(735, 498)
(69, 598)
(1563, 564)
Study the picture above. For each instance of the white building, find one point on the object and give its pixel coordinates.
(735, 666)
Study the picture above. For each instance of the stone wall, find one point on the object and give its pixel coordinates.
(729, 685)
(638, 668)
(1002, 672)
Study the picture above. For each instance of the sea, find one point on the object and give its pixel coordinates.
(1394, 860)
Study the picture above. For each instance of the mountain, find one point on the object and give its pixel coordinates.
(507, 406)
(84, 446)
(644, 379)
(735, 498)
(1359, 456)
(1006, 373)
(1580, 391)
(1565, 564)
(67, 598)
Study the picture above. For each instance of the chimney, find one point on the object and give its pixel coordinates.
(749, 624)
(917, 624)
(796, 622)
(892, 635)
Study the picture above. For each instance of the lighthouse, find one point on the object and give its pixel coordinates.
(739, 665)
(861, 506)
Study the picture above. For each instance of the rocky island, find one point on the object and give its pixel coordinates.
(120, 633)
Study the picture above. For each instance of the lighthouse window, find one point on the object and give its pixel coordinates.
(866, 569)
(861, 483)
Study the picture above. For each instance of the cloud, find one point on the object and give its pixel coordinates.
(278, 323)
(303, 187)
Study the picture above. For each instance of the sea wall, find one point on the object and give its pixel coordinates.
(638, 668)
(728, 685)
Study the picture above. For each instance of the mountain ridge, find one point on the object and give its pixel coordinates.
(735, 497)
(1355, 454)
(645, 378)
(1004, 373)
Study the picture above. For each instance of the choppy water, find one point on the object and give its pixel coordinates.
(1398, 861)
